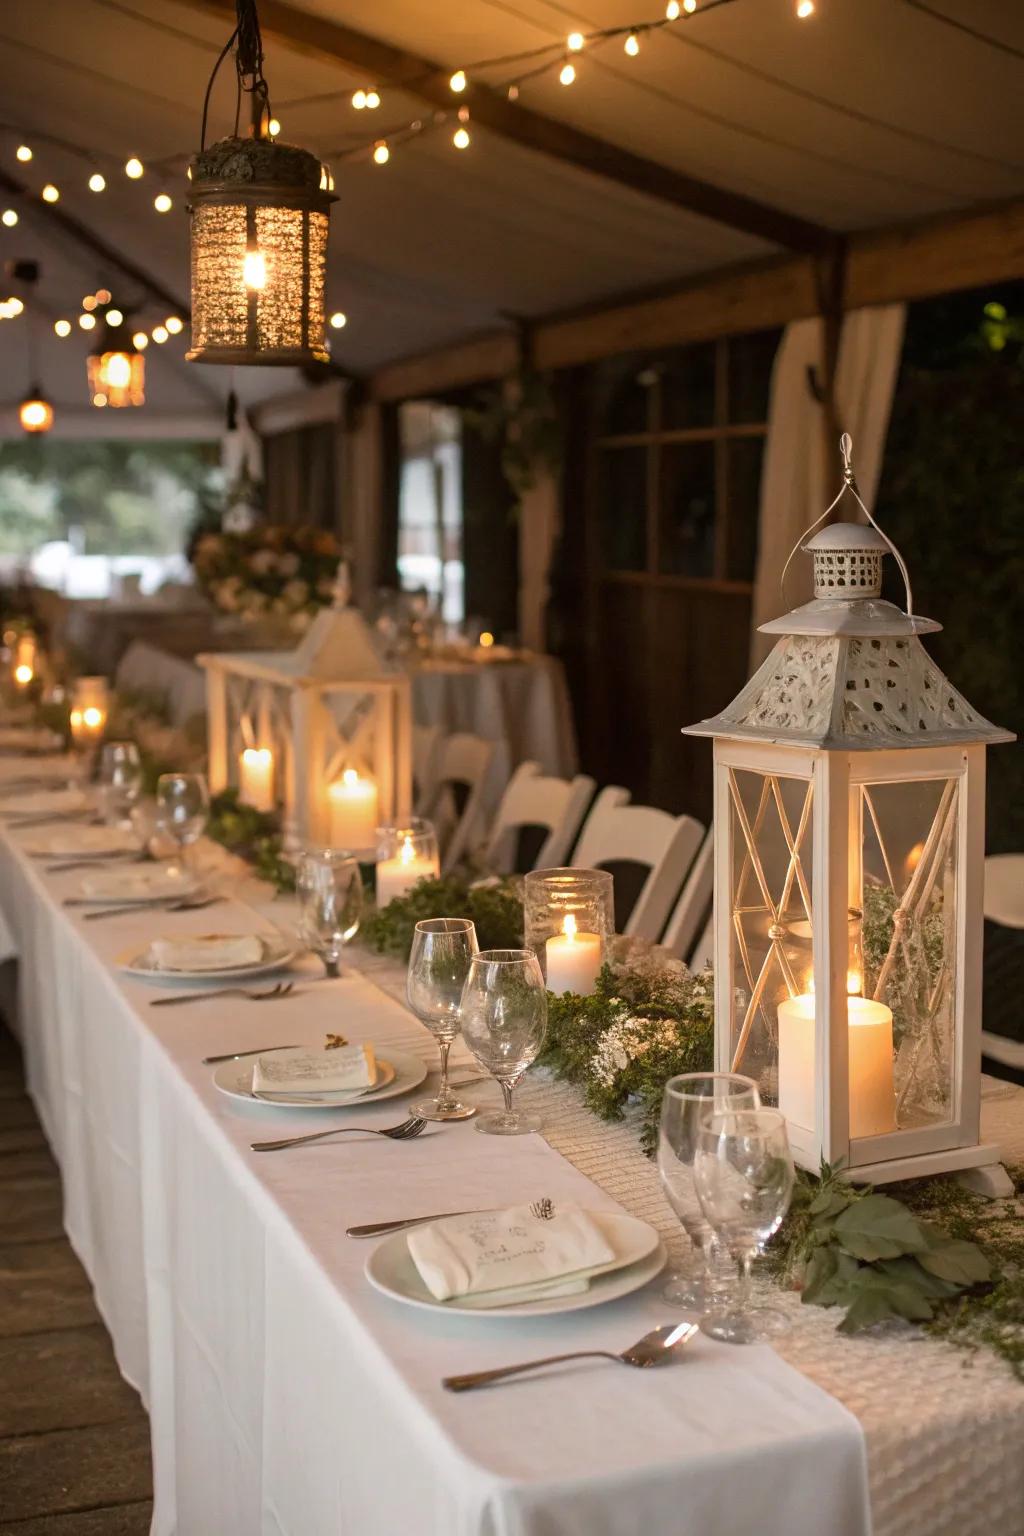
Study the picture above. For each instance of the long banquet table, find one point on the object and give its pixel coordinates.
(288, 1397)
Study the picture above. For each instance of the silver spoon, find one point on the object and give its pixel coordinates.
(655, 1348)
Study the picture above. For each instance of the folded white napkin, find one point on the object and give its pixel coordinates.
(206, 952)
(44, 802)
(28, 738)
(142, 882)
(70, 841)
(509, 1255)
(346, 1069)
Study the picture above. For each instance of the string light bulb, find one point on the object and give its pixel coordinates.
(174, 325)
(381, 153)
(513, 93)
(140, 341)
(23, 153)
(373, 100)
(460, 138)
(163, 203)
(159, 334)
(274, 127)
(114, 317)
(134, 168)
(97, 182)
(9, 218)
(574, 42)
(458, 81)
(804, 9)
(99, 400)
(339, 320)
(567, 73)
(62, 327)
(672, 10)
(14, 308)
(87, 321)
(632, 45)
(91, 300)
(50, 194)
(689, 6)
(103, 295)
(359, 100)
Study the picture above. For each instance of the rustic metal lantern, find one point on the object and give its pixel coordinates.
(117, 377)
(35, 413)
(849, 848)
(260, 213)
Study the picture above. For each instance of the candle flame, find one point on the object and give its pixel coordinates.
(854, 983)
(569, 927)
(408, 852)
(914, 857)
(76, 717)
(350, 777)
(486, 639)
(23, 675)
(92, 717)
(254, 755)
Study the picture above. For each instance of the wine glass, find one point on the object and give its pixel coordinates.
(685, 1106)
(743, 1173)
(182, 804)
(442, 949)
(504, 1017)
(330, 892)
(120, 781)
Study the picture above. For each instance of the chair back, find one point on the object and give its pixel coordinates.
(426, 751)
(456, 803)
(1004, 889)
(617, 832)
(691, 913)
(533, 800)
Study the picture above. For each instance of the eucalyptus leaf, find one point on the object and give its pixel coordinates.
(957, 1261)
(879, 1227)
(830, 1202)
(908, 1271)
(819, 1271)
(868, 1308)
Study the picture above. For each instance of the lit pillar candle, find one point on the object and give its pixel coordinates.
(398, 875)
(256, 778)
(87, 725)
(25, 661)
(573, 959)
(353, 812)
(872, 1092)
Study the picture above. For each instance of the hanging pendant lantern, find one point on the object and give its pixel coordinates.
(35, 412)
(117, 377)
(260, 213)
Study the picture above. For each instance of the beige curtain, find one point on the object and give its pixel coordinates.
(793, 479)
(539, 521)
(363, 499)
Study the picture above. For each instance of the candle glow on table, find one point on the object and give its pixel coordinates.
(256, 778)
(397, 876)
(352, 802)
(87, 724)
(573, 959)
(872, 1088)
(25, 661)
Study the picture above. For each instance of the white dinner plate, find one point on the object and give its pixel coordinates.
(399, 1071)
(276, 954)
(141, 883)
(640, 1255)
(72, 841)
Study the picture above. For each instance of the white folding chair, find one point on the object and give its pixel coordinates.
(463, 763)
(1004, 904)
(702, 954)
(616, 832)
(533, 800)
(426, 748)
(690, 914)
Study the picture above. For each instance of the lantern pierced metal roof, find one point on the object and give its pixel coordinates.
(850, 673)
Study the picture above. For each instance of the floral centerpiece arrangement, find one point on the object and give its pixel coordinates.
(268, 571)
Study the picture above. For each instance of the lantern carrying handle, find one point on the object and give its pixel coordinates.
(850, 484)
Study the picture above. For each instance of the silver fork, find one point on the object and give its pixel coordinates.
(406, 1131)
(192, 905)
(280, 989)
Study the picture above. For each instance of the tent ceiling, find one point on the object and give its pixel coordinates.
(872, 113)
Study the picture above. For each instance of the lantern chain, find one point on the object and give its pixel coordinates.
(247, 41)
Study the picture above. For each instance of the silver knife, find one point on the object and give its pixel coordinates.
(380, 1228)
(212, 1061)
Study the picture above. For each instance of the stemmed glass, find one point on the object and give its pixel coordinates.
(442, 950)
(504, 1018)
(120, 783)
(182, 804)
(330, 892)
(685, 1106)
(743, 1172)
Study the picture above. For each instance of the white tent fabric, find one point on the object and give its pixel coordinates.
(793, 481)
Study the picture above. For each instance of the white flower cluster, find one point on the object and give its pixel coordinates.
(622, 1043)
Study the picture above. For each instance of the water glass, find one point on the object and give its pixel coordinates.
(182, 806)
(504, 1018)
(120, 782)
(442, 952)
(743, 1173)
(685, 1106)
(330, 893)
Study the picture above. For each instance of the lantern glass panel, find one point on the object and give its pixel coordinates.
(909, 898)
(771, 911)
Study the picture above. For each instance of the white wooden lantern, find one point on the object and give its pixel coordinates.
(849, 849)
(330, 708)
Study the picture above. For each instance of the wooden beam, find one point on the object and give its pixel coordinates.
(884, 267)
(386, 65)
(300, 408)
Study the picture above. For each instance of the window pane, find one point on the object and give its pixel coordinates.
(688, 388)
(750, 369)
(745, 459)
(686, 537)
(622, 489)
(624, 388)
(430, 506)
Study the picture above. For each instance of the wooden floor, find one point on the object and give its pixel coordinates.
(74, 1438)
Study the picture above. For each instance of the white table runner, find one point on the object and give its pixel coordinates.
(289, 1397)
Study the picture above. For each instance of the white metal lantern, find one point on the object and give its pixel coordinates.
(849, 848)
(311, 728)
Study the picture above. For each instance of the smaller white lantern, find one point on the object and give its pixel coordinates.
(849, 849)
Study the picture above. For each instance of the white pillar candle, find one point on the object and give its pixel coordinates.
(352, 803)
(398, 875)
(87, 725)
(25, 661)
(872, 1091)
(256, 778)
(573, 959)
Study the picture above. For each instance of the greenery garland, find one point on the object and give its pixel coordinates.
(252, 835)
(495, 907)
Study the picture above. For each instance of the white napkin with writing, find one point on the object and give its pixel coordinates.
(343, 1069)
(509, 1255)
(138, 882)
(207, 952)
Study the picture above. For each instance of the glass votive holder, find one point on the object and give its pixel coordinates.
(406, 853)
(568, 919)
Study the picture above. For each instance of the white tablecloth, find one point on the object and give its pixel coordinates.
(290, 1399)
